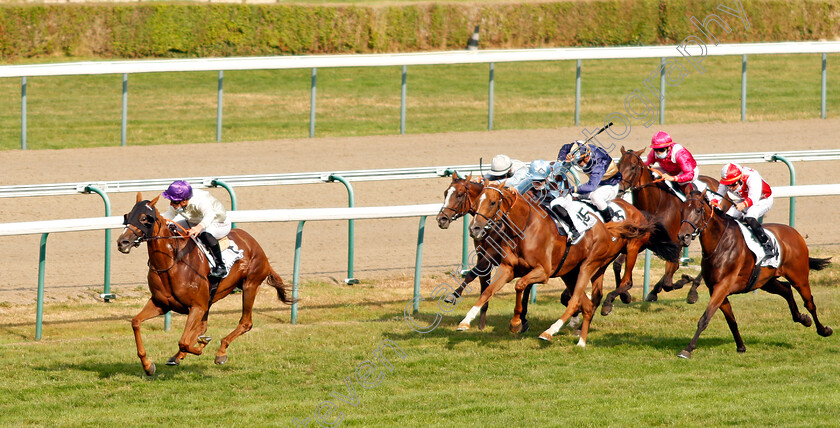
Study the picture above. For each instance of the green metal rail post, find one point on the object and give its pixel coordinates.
(418, 263)
(42, 264)
(351, 228)
(646, 283)
(296, 274)
(792, 213)
(106, 289)
(231, 193)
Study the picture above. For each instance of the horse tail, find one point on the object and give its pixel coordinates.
(627, 230)
(818, 264)
(661, 244)
(276, 281)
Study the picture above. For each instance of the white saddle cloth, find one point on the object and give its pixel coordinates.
(584, 217)
(229, 255)
(755, 247)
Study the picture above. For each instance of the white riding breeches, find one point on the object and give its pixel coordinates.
(218, 230)
(756, 211)
(602, 195)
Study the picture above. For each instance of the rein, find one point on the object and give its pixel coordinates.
(458, 211)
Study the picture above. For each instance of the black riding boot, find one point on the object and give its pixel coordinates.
(763, 239)
(607, 214)
(212, 244)
(564, 216)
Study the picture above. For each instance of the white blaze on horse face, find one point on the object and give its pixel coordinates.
(449, 192)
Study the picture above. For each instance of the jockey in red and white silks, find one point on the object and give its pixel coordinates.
(753, 199)
(675, 162)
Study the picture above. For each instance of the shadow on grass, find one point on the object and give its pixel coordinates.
(107, 370)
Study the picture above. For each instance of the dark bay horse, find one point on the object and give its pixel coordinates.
(534, 251)
(178, 281)
(655, 198)
(728, 264)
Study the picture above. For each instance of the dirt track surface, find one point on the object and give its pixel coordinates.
(384, 248)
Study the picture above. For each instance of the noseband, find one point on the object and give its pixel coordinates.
(492, 221)
(698, 229)
(460, 210)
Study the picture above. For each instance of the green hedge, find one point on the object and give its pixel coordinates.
(192, 30)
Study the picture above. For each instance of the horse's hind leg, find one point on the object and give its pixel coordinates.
(625, 295)
(482, 317)
(726, 308)
(192, 329)
(249, 294)
(804, 289)
(149, 311)
(783, 289)
(665, 283)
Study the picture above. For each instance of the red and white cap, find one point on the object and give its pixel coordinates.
(730, 173)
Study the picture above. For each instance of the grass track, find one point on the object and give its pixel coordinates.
(167, 108)
(85, 371)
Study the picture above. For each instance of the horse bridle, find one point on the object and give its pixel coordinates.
(459, 210)
(491, 221)
(699, 229)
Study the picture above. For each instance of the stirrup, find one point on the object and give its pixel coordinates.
(219, 271)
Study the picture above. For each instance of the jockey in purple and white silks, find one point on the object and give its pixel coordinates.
(754, 198)
(204, 216)
(604, 176)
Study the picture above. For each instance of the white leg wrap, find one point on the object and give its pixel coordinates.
(473, 312)
(555, 327)
(581, 343)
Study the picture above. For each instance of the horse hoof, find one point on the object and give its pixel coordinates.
(826, 332)
(525, 326)
(692, 297)
(172, 361)
(516, 327)
(482, 323)
(221, 359)
(204, 339)
(684, 354)
(450, 299)
(606, 309)
(151, 370)
(545, 336)
(741, 349)
(805, 320)
(626, 298)
(463, 327)
(651, 298)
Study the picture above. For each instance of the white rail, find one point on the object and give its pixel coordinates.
(400, 59)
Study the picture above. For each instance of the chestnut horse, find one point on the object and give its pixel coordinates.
(534, 251)
(178, 280)
(654, 197)
(459, 199)
(728, 264)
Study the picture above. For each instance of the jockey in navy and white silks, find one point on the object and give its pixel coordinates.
(675, 162)
(753, 199)
(552, 184)
(604, 176)
(205, 218)
(513, 171)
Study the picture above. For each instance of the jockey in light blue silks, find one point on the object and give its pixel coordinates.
(604, 176)
(551, 183)
(502, 167)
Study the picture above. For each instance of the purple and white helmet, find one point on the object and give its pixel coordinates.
(178, 191)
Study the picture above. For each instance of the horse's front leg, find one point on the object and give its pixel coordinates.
(719, 293)
(536, 276)
(619, 261)
(504, 273)
(151, 310)
(579, 293)
(625, 283)
(482, 317)
(588, 305)
(666, 283)
(192, 329)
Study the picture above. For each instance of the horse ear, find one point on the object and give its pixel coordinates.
(485, 181)
(622, 150)
(642, 151)
(139, 197)
(154, 201)
(455, 176)
(502, 186)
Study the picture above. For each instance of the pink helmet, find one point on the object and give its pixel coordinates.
(730, 173)
(661, 140)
